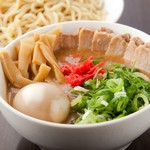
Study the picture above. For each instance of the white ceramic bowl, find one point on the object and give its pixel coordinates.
(114, 9)
(103, 136)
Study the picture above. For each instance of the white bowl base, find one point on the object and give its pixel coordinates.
(123, 148)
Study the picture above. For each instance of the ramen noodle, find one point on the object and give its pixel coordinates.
(20, 16)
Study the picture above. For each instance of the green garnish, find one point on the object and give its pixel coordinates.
(120, 92)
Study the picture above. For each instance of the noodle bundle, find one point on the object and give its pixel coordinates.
(20, 16)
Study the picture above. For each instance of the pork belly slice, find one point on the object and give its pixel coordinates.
(134, 43)
(142, 57)
(101, 40)
(103, 29)
(85, 39)
(68, 40)
(118, 45)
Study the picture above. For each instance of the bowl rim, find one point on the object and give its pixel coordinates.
(62, 125)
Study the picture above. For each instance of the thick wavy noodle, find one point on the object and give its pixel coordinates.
(20, 16)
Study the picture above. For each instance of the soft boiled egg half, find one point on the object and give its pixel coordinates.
(43, 101)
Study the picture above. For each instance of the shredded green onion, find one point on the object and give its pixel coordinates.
(120, 92)
(140, 101)
(115, 85)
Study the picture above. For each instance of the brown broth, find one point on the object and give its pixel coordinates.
(62, 55)
(75, 55)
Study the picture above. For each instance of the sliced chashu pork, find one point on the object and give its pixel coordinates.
(103, 29)
(130, 52)
(142, 57)
(101, 39)
(118, 45)
(85, 39)
(68, 40)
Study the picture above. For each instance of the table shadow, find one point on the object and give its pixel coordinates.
(26, 145)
